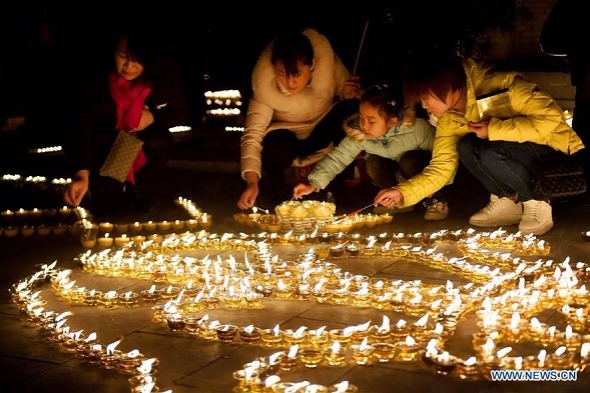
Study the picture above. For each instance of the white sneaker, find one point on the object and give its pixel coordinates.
(499, 212)
(537, 218)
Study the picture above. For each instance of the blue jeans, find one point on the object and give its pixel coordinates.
(504, 168)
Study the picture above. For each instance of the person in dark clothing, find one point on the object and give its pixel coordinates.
(564, 34)
(141, 95)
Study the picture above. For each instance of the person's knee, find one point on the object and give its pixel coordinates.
(278, 148)
(376, 167)
(381, 170)
(491, 156)
(413, 162)
(372, 164)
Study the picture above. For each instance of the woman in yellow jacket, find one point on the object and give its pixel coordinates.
(498, 138)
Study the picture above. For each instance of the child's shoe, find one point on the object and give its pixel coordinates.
(436, 210)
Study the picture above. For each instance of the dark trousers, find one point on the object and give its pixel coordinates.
(504, 168)
(281, 147)
(382, 170)
(110, 196)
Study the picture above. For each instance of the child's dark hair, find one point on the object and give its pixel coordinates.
(291, 47)
(434, 71)
(383, 97)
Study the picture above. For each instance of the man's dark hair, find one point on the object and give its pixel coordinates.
(291, 47)
(432, 71)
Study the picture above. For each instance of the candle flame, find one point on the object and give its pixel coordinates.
(503, 352)
(293, 351)
(335, 347)
(489, 346)
(274, 358)
(444, 357)
(385, 325)
(249, 372)
(347, 331)
(299, 332)
(432, 345)
(147, 387)
(514, 321)
(438, 329)
(364, 326)
(273, 379)
(111, 347)
(319, 331)
(364, 344)
(69, 285)
(422, 321)
(63, 315)
(535, 324)
(276, 330)
(146, 366)
(560, 351)
(541, 357)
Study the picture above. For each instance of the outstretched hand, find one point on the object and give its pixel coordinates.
(389, 197)
(248, 197)
(302, 189)
(146, 120)
(75, 191)
(352, 88)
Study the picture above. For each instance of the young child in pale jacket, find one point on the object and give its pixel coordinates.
(397, 145)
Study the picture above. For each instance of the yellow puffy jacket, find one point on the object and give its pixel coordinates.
(528, 115)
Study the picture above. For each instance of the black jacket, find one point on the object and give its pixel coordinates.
(93, 118)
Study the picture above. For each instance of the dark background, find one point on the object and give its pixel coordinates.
(47, 46)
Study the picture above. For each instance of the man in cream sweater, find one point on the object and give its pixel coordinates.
(295, 114)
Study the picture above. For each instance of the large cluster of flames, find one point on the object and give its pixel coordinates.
(507, 285)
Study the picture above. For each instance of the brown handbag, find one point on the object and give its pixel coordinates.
(121, 157)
